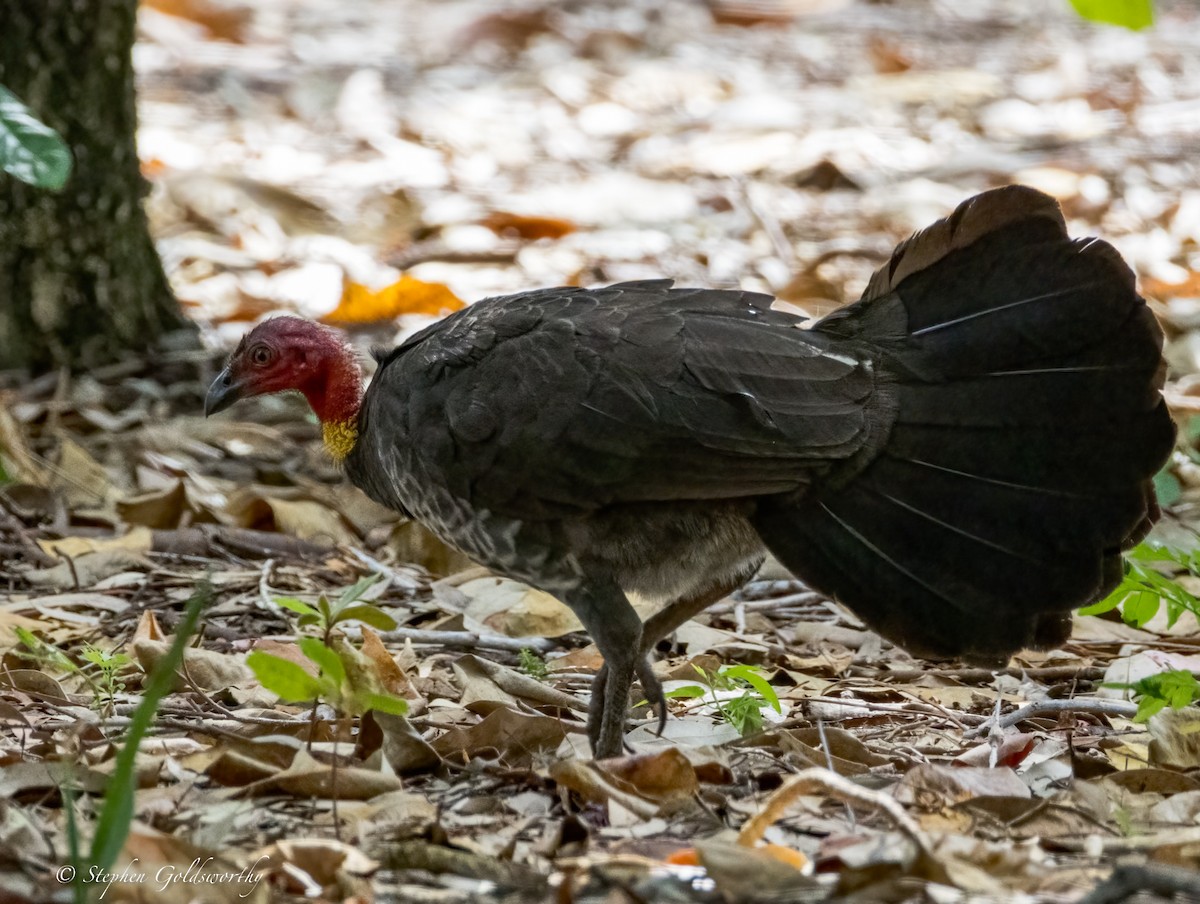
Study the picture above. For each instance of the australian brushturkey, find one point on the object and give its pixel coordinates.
(959, 457)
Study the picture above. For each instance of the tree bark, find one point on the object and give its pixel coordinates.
(80, 281)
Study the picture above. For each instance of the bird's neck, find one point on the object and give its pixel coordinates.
(336, 401)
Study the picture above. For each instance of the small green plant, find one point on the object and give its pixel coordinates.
(744, 713)
(116, 813)
(349, 606)
(342, 680)
(1145, 587)
(100, 668)
(1154, 693)
(108, 666)
(532, 664)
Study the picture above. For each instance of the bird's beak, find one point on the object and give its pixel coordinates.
(223, 393)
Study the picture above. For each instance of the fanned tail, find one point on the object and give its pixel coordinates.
(1023, 373)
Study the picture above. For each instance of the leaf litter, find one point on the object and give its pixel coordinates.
(377, 165)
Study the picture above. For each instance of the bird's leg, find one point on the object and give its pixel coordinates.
(651, 687)
(666, 620)
(617, 631)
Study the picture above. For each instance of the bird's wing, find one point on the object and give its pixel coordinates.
(560, 401)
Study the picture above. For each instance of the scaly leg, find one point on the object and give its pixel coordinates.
(663, 623)
(615, 627)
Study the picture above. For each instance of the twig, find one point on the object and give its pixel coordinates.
(530, 688)
(1127, 881)
(264, 585)
(983, 676)
(1124, 844)
(829, 765)
(398, 578)
(465, 640)
(924, 709)
(438, 251)
(764, 605)
(783, 250)
(1089, 705)
(827, 782)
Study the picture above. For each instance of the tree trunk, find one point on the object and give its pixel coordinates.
(80, 281)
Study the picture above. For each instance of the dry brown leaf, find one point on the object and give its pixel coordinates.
(306, 519)
(148, 628)
(932, 787)
(82, 480)
(528, 227)
(205, 669)
(514, 736)
(663, 776)
(408, 295)
(35, 682)
(1164, 291)
(755, 873)
(306, 777)
(88, 569)
(746, 13)
(223, 20)
(335, 869)
(161, 508)
(1175, 735)
(508, 607)
(386, 672)
(136, 540)
(15, 455)
(403, 748)
(595, 785)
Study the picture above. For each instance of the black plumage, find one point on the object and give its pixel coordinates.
(959, 457)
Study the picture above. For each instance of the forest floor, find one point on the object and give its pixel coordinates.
(378, 164)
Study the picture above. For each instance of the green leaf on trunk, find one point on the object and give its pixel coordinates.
(30, 150)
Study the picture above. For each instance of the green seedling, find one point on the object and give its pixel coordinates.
(1145, 587)
(342, 679)
(1154, 693)
(100, 669)
(532, 664)
(744, 713)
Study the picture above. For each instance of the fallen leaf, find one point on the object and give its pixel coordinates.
(504, 606)
(1162, 290)
(1175, 738)
(408, 295)
(514, 736)
(528, 227)
(205, 669)
(88, 569)
(931, 787)
(223, 20)
(307, 777)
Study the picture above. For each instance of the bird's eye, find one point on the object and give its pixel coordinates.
(261, 355)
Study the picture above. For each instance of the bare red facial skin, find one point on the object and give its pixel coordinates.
(290, 353)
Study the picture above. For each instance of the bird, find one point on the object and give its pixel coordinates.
(960, 457)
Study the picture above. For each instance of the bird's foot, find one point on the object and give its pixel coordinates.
(651, 687)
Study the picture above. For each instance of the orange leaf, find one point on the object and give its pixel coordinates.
(787, 855)
(1160, 290)
(405, 296)
(683, 857)
(224, 21)
(503, 223)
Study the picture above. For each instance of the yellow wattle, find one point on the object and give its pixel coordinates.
(339, 437)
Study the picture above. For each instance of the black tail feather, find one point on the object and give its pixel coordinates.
(1025, 373)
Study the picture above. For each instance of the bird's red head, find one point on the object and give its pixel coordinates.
(290, 353)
